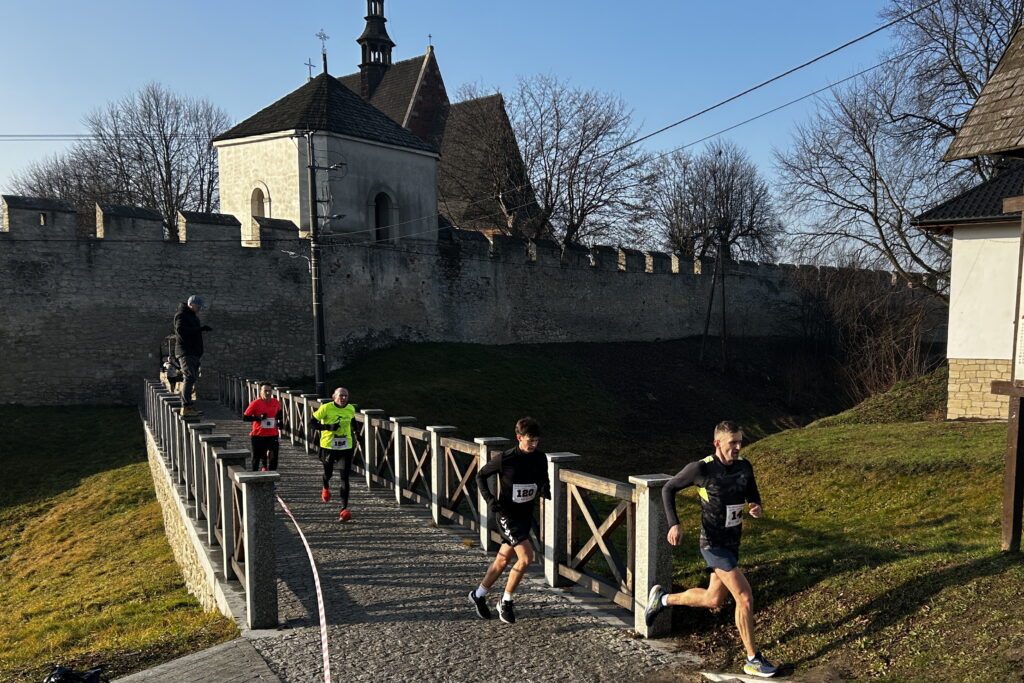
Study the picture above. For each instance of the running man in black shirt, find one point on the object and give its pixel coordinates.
(725, 484)
(522, 475)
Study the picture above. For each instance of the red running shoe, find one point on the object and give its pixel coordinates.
(325, 495)
(263, 469)
(344, 515)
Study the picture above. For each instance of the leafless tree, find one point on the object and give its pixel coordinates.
(588, 179)
(717, 199)
(868, 160)
(150, 149)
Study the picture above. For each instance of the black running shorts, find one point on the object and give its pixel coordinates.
(513, 529)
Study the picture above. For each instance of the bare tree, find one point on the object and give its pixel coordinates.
(151, 148)
(868, 160)
(588, 179)
(717, 200)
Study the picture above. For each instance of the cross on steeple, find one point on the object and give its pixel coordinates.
(309, 63)
(323, 40)
(430, 39)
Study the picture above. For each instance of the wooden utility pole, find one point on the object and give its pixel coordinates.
(1013, 471)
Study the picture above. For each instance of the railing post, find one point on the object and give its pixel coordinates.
(555, 511)
(226, 459)
(652, 558)
(207, 442)
(370, 442)
(438, 485)
(293, 399)
(487, 444)
(260, 555)
(307, 415)
(399, 464)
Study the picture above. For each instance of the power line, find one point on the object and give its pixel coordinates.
(770, 80)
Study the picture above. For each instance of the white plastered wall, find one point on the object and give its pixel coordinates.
(982, 290)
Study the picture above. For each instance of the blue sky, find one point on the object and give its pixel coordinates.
(667, 59)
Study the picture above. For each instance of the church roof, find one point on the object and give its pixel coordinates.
(325, 104)
(395, 90)
(995, 124)
(981, 204)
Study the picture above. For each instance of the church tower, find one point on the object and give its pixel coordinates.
(376, 44)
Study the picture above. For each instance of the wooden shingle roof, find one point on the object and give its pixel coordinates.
(995, 124)
(395, 89)
(324, 104)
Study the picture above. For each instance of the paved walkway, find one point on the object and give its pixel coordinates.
(395, 597)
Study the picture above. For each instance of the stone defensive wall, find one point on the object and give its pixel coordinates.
(85, 316)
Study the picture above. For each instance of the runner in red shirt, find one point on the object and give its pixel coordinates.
(267, 417)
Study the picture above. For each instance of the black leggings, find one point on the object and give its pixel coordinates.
(264, 450)
(329, 457)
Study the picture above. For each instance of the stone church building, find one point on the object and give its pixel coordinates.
(395, 158)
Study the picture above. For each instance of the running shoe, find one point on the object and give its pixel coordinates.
(654, 605)
(482, 610)
(344, 515)
(759, 666)
(506, 613)
(325, 495)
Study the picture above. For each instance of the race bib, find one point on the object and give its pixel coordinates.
(523, 493)
(734, 515)
(269, 423)
(339, 443)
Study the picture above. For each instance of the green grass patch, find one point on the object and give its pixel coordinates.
(627, 408)
(86, 574)
(913, 400)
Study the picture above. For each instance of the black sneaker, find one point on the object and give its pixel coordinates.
(759, 666)
(482, 610)
(506, 613)
(654, 603)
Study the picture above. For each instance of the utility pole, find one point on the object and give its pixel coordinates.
(721, 259)
(319, 353)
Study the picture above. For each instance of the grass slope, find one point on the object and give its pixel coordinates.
(628, 408)
(86, 575)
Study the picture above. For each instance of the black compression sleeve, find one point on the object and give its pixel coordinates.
(483, 474)
(686, 477)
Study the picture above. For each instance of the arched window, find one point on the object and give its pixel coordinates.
(382, 217)
(256, 203)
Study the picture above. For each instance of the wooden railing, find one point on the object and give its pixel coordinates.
(230, 508)
(605, 535)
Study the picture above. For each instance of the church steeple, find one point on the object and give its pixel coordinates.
(376, 44)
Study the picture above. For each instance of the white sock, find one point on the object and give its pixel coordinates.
(664, 601)
(480, 591)
(507, 597)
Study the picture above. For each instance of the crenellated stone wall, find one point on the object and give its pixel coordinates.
(84, 317)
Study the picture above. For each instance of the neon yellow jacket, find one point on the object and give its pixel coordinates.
(340, 418)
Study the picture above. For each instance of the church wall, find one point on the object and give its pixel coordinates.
(269, 161)
(84, 318)
(412, 184)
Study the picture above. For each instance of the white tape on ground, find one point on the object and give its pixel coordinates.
(319, 593)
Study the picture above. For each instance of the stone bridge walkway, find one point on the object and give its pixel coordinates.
(394, 590)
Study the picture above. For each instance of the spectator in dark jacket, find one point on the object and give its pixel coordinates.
(188, 348)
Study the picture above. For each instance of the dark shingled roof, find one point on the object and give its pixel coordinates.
(995, 124)
(981, 204)
(395, 90)
(37, 203)
(324, 104)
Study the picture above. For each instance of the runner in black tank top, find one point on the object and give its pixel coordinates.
(725, 485)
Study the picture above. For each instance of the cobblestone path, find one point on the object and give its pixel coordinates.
(395, 594)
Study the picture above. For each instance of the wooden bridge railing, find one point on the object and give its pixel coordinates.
(229, 508)
(605, 535)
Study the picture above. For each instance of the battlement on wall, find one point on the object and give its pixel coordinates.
(36, 218)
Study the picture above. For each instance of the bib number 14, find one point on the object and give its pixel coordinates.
(734, 514)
